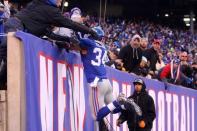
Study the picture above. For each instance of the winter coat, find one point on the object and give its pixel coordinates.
(146, 103)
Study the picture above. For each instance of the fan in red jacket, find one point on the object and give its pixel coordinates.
(172, 73)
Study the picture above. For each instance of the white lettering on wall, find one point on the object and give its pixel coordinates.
(46, 93)
(61, 70)
(183, 114)
(168, 101)
(161, 112)
(176, 112)
(193, 124)
(188, 115)
(115, 116)
(152, 94)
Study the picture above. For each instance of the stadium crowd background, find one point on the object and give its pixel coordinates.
(175, 44)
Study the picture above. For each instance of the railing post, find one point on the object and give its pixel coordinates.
(3, 110)
(15, 85)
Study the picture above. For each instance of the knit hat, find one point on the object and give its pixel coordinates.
(75, 13)
(136, 37)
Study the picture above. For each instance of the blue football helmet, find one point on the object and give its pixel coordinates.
(99, 31)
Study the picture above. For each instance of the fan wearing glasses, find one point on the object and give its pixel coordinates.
(183, 58)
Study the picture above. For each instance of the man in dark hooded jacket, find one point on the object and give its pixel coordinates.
(146, 103)
(130, 56)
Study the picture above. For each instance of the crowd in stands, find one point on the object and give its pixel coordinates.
(148, 49)
(152, 50)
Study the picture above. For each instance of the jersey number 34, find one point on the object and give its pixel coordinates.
(99, 57)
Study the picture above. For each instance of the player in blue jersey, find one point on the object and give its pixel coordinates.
(100, 89)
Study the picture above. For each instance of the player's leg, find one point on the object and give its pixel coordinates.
(109, 97)
(105, 89)
(96, 99)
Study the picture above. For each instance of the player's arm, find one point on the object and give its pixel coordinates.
(60, 21)
(64, 41)
(56, 37)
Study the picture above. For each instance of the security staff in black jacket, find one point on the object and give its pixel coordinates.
(38, 18)
(146, 103)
